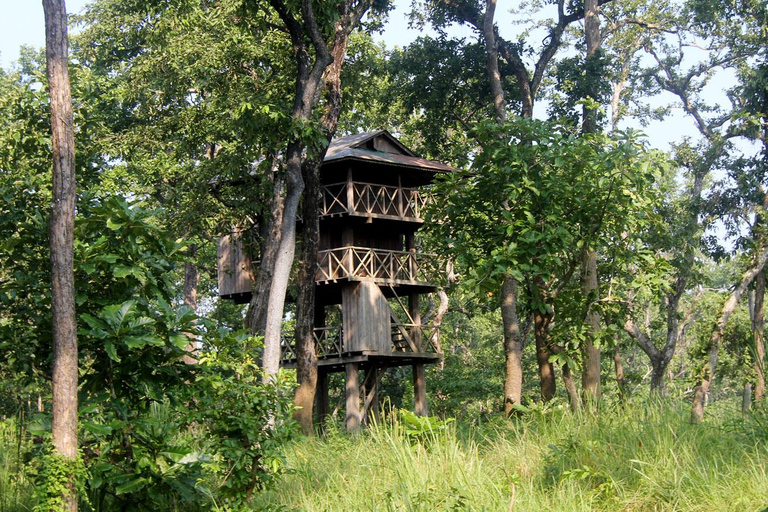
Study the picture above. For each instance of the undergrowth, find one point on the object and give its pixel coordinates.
(645, 457)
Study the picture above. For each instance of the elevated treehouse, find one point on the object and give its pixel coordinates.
(370, 274)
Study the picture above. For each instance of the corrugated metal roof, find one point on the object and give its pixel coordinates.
(389, 158)
(355, 147)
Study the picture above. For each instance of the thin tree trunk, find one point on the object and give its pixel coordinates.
(746, 398)
(191, 281)
(619, 372)
(758, 328)
(590, 381)
(590, 378)
(513, 346)
(703, 385)
(570, 388)
(64, 427)
(546, 371)
(492, 62)
(256, 319)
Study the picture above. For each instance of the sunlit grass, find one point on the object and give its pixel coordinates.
(644, 458)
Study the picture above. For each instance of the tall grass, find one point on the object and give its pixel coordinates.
(15, 485)
(644, 458)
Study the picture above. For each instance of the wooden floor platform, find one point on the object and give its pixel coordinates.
(365, 358)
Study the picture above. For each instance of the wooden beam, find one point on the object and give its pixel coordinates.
(371, 403)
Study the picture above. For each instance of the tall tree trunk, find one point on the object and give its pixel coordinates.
(191, 281)
(283, 261)
(590, 378)
(590, 381)
(306, 356)
(758, 329)
(513, 346)
(256, 319)
(702, 386)
(306, 362)
(64, 428)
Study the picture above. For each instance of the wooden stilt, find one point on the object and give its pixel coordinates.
(352, 420)
(322, 398)
(419, 390)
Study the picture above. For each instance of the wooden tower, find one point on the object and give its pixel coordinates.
(370, 273)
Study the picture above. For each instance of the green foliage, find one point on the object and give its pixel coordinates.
(57, 477)
(421, 427)
(244, 422)
(539, 196)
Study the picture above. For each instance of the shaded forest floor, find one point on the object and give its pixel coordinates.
(642, 458)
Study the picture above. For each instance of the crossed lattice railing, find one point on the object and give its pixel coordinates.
(415, 338)
(372, 199)
(329, 341)
(380, 264)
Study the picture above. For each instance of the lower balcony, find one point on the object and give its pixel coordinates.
(329, 341)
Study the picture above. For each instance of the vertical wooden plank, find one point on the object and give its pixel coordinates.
(352, 421)
(224, 273)
(235, 274)
(419, 390)
(366, 318)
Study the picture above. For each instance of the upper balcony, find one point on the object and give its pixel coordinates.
(374, 201)
(381, 265)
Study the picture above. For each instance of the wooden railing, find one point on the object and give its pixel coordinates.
(393, 267)
(374, 200)
(415, 338)
(329, 341)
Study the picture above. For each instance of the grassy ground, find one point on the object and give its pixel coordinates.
(645, 458)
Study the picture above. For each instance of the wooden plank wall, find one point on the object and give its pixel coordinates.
(366, 318)
(234, 266)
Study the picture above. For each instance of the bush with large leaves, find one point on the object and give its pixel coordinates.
(157, 433)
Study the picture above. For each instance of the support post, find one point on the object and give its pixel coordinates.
(419, 390)
(322, 398)
(352, 421)
(414, 310)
